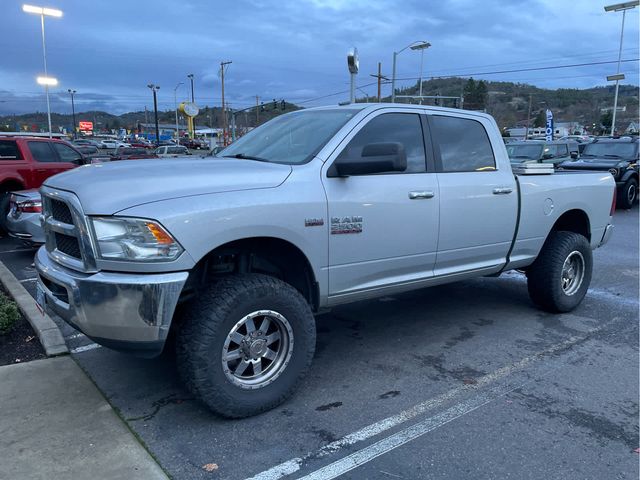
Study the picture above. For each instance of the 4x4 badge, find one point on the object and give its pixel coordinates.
(313, 222)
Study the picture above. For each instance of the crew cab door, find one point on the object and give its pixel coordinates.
(478, 194)
(383, 227)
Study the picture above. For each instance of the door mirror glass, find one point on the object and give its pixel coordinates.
(574, 155)
(374, 158)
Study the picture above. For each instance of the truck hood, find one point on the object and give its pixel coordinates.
(107, 188)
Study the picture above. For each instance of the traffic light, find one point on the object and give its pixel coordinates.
(262, 107)
(275, 104)
(283, 105)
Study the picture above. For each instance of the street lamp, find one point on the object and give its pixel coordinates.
(73, 110)
(175, 103)
(418, 45)
(51, 12)
(617, 7)
(154, 89)
(422, 47)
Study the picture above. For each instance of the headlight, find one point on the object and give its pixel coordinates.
(613, 171)
(133, 239)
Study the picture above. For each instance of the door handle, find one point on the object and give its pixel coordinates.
(419, 195)
(502, 190)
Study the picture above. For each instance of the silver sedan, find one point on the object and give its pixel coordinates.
(23, 220)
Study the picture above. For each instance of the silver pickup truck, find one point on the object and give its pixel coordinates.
(313, 209)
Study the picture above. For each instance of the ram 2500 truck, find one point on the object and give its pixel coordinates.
(313, 209)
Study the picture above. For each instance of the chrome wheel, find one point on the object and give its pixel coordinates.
(572, 273)
(631, 193)
(257, 349)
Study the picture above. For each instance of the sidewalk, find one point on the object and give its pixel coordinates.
(54, 423)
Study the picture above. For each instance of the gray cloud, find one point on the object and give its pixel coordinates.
(109, 51)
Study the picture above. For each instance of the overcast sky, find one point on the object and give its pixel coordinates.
(296, 49)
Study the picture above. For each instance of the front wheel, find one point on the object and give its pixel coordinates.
(628, 194)
(245, 344)
(559, 278)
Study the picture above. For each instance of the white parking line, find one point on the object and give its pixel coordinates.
(86, 348)
(396, 440)
(293, 465)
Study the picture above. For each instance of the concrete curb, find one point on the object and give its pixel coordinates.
(46, 329)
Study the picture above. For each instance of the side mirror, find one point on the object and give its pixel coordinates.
(547, 156)
(574, 155)
(375, 158)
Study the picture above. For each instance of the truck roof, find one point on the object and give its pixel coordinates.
(378, 106)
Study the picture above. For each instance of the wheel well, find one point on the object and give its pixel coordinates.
(575, 221)
(10, 186)
(266, 255)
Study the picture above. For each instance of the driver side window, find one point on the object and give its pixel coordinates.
(404, 128)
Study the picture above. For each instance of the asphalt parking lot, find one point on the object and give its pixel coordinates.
(467, 380)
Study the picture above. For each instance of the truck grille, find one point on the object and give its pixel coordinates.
(68, 245)
(66, 230)
(60, 211)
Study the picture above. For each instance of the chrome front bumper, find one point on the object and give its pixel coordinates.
(125, 311)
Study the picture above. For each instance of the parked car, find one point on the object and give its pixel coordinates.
(618, 156)
(536, 151)
(84, 142)
(172, 151)
(313, 209)
(131, 153)
(23, 220)
(92, 154)
(112, 144)
(141, 143)
(194, 143)
(26, 162)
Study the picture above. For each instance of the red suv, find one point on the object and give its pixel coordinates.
(26, 162)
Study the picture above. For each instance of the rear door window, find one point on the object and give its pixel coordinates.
(9, 150)
(461, 144)
(42, 152)
(66, 153)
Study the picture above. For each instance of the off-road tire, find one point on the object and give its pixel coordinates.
(628, 194)
(207, 321)
(544, 276)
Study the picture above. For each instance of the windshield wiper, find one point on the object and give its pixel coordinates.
(522, 156)
(242, 156)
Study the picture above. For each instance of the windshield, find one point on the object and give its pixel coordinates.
(611, 150)
(524, 152)
(292, 139)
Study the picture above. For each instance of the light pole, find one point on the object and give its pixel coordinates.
(617, 77)
(175, 104)
(73, 110)
(422, 47)
(418, 45)
(51, 12)
(193, 100)
(154, 89)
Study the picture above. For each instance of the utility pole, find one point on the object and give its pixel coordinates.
(154, 89)
(380, 77)
(193, 100)
(224, 112)
(526, 133)
(73, 111)
(175, 105)
(257, 110)
(146, 115)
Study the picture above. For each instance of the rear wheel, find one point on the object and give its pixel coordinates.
(559, 278)
(628, 194)
(246, 344)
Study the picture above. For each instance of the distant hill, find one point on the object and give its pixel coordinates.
(103, 121)
(508, 102)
